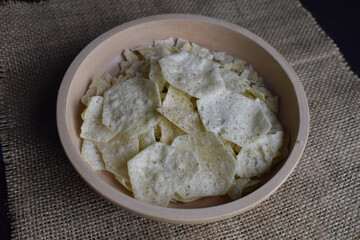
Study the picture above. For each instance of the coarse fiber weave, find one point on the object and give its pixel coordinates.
(48, 200)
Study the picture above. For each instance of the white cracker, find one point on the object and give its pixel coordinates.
(217, 165)
(156, 75)
(92, 127)
(236, 189)
(233, 82)
(256, 158)
(92, 155)
(130, 107)
(116, 153)
(233, 117)
(178, 108)
(168, 131)
(192, 74)
(240, 186)
(158, 171)
(146, 139)
(97, 88)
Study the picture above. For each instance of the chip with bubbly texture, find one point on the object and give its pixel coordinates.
(156, 75)
(223, 58)
(217, 165)
(256, 158)
(130, 107)
(178, 109)
(257, 88)
(92, 127)
(265, 95)
(233, 117)
(168, 131)
(91, 155)
(146, 139)
(233, 82)
(130, 56)
(180, 43)
(138, 69)
(120, 78)
(275, 124)
(193, 48)
(116, 153)
(159, 49)
(229, 146)
(125, 182)
(236, 66)
(158, 171)
(97, 88)
(201, 51)
(192, 74)
(237, 186)
(164, 47)
(240, 186)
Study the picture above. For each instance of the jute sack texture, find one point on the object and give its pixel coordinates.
(48, 200)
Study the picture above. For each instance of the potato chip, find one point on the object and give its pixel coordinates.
(229, 146)
(92, 155)
(177, 198)
(180, 43)
(201, 51)
(233, 82)
(147, 52)
(192, 74)
(223, 58)
(138, 68)
(233, 117)
(120, 78)
(178, 108)
(169, 42)
(257, 89)
(97, 87)
(164, 47)
(240, 186)
(156, 75)
(160, 49)
(168, 131)
(275, 124)
(237, 186)
(146, 139)
(130, 107)
(92, 127)
(236, 66)
(130, 56)
(158, 171)
(125, 182)
(217, 165)
(116, 153)
(184, 46)
(265, 95)
(256, 158)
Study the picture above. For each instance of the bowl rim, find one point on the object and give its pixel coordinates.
(180, 215)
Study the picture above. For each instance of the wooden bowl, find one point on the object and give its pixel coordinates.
(104, 54)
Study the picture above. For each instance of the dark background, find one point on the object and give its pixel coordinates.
(340, 19)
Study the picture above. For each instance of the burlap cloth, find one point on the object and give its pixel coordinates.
(48, 200)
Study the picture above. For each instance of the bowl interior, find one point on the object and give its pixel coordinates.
(106, 57)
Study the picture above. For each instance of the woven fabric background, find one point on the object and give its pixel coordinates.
(47, 198)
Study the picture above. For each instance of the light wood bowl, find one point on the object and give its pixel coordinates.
(104, 54)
